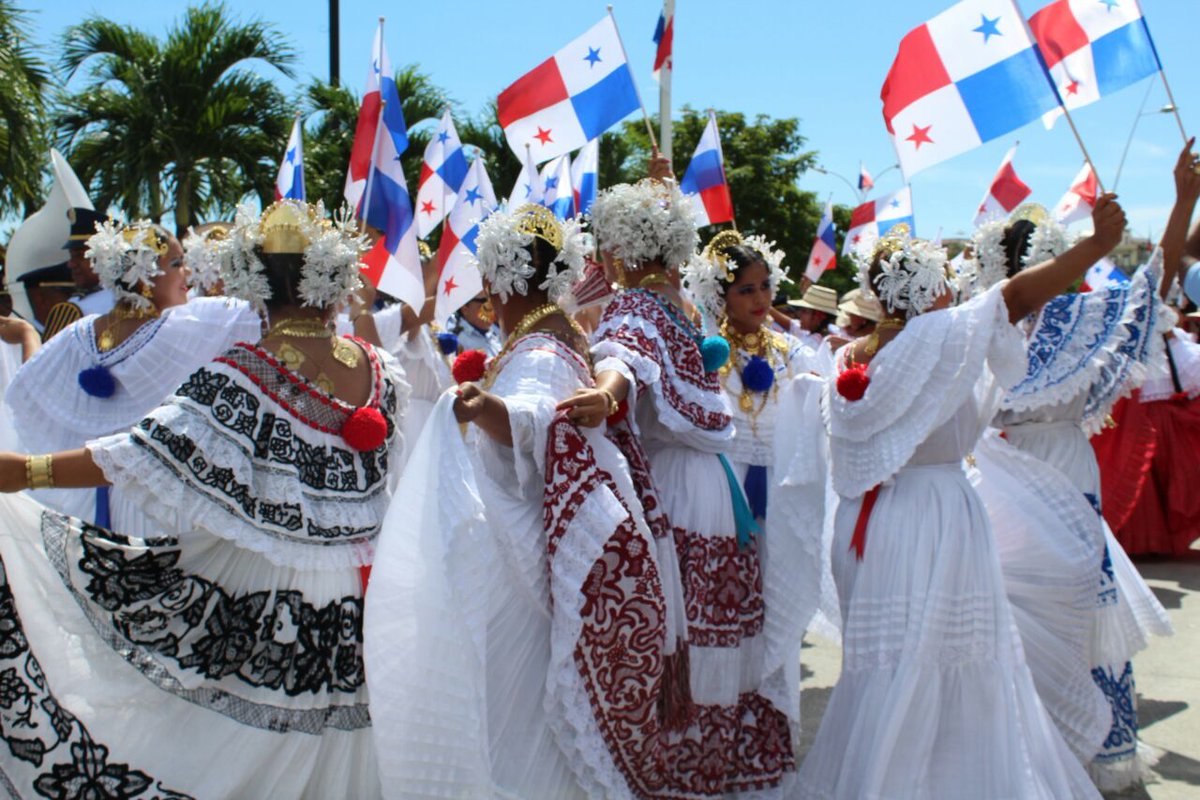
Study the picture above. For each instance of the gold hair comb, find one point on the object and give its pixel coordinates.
(540, 221)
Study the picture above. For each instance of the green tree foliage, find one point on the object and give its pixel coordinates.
(181, 126)
(23, 134)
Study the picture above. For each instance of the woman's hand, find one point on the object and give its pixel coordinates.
(1187, 173)
(12, 472)
(659, 167)
(469, 402)
(1108, 220)
(588, 407)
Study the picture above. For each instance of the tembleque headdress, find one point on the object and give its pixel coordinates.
(645, 221)
(504, 252)
(912, 273)
(126, 255)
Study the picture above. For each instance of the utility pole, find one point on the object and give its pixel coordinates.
(334, 55)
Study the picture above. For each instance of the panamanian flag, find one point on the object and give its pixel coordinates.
(557, 194)
(442, 171)
(376, 188)
(585, 176)
(874, 218)
(824, 250)
(704, 181)
(969, 75)
(458, 277)
(528, 188)
(570, 98)
(289, 181)
(1093, 48)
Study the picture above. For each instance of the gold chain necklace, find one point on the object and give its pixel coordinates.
(311, 328)
(762, 343)
(119, 314)
(872, 345)
(527, 324)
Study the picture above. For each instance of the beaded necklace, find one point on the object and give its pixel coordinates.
(524, 327)
(765, 351)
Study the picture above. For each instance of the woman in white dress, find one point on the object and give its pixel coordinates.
(515, 614)
(935, 699)
(221, 655)
(727, 735)
(104, 373)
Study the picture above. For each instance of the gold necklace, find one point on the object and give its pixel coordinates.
(527, 324)
(872, 345)
(653, 279)
(762, 343)
(312, 328)
(119, 314)
(300, 327)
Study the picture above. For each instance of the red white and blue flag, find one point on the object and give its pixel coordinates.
(442, 173)
(824, 250)
(1093, 48)
(376, 188)
(557, 194)
(1080, 199)
(289, 181)
(1006, 192)
(664, 37)
(528, 188)
(865, 182)
(458, 278)
(585, 176)
(874, 218)
(570, 98)
(1103, 274)
(704, 182)
(969, 75)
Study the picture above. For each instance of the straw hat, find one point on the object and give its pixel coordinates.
(818, 298)
(853, 302)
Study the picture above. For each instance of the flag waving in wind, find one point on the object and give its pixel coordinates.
(585, 176)
(969, 75)
(458, 279)
(289, 181)
(528, 188)
(664, 37)
(1006, 192)
(442, 173)
(570, 98)
(824, 249)
(375, 185)
(704, 181)
(874, 218)
(1080, 199)
(865, 182)
(1093, 49)
(556, 187)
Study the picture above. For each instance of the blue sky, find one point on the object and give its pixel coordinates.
(821, 61)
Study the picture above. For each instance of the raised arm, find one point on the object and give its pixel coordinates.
(1175, 236)
(14, 330)
(1032, 288)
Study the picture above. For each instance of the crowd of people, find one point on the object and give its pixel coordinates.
(266, 534)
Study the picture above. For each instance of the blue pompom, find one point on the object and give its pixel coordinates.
(97, 381)
(714, 351)
(757, 375)
(1191, 283)
(448, 343)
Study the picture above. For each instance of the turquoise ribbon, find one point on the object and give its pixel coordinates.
(742, 518)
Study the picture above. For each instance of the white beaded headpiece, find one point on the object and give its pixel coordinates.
(645, 221)
(912, 273)
(989, 264)
(126, 255)
(504, 256)
(707, 275)
(202, 252)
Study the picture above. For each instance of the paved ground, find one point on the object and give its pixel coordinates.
(1167, 674)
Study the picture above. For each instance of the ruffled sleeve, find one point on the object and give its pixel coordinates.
(917, 382)
(245, 452)
(1097, 342)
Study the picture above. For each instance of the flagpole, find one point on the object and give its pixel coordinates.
(1050, 79)
(445, 187)
(378, 128)
(712, 116)
(664, 86)
(1171, 99)
(636, 90)
(300, 141)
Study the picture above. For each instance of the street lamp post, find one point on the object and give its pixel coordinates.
(862, 195)
(1142, 112)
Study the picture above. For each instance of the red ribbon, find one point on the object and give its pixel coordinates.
(364, 575)
(859, 542)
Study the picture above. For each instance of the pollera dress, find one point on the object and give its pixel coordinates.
(935, 699)
(221, 655)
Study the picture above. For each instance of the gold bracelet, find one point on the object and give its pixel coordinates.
(613, 405)
(39, 472)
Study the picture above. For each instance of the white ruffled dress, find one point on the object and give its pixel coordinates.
(220, 656)
(714, 585)
(515, 618)
(935, 699)
(1086, 351)
(52, 412)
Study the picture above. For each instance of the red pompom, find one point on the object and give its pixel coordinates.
(365, 429)
(468, 366)
(620, 414)
(852, 384)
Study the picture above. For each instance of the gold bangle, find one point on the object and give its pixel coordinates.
(613, 405)
(39, 472)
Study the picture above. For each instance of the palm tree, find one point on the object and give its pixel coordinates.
(23, 135)
(179, 126)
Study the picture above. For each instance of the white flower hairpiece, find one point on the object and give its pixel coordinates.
(242, 273)
(989, 264)
(124, 256)
(331, 260)
(504, 257)
(912, 274)
(202, 252)
(707, 275)
(645, 221)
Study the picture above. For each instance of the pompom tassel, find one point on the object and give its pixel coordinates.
(365, 429)
(469, 366)
(98, 382)
(852, 384)
(714, 351)
(757, 375)
(447, 343)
